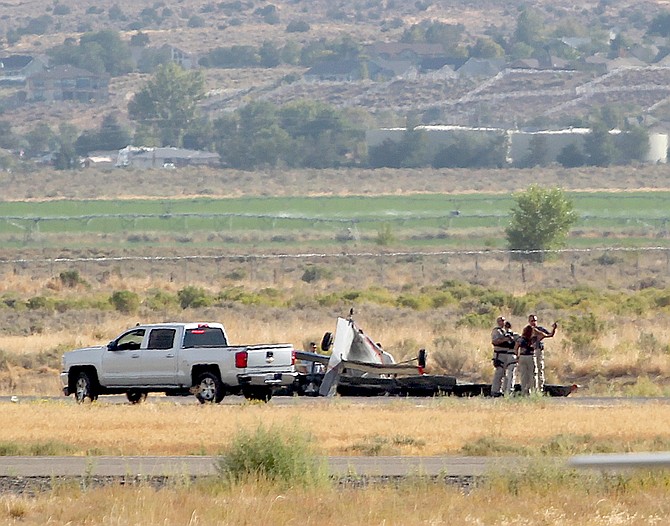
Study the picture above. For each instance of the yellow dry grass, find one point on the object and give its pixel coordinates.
(338, 426)
(407, 505)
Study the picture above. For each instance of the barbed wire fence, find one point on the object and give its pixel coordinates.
(636, 267)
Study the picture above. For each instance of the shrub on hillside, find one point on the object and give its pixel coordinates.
(125, 301)
(70, 278)
(41, 303)
(315, 273)
(581, 333)
(193, 297)
(160, 300)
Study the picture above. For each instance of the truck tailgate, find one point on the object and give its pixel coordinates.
(276, 357)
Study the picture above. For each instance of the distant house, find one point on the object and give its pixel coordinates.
(103, 159)
(576, 42)
(625, 63)
(68, 83)
(546, 62)
(168, 157)
(480, 67)
(17, 68)
(404, 51)
(401, 56)
(180, 57)
(335, 70)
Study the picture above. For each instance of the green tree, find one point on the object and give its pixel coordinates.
(529, 28)
(538, 149)
(633, 145)
(269, 54)
(486, 48)
(139, 39)
(599, 146)
(99, 52)
(290, 53)
(168, 103)
(660, 24)
(571, 156)
(8, 139)
(110, 136)
(66, 156)
(540, 221)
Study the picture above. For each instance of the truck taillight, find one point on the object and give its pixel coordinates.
(293, 357)
(241, 359)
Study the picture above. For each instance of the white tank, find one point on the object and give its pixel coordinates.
(658, 148)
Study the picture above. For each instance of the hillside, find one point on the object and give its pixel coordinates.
(512, 97)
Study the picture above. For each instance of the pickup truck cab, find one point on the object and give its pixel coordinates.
(177, 359)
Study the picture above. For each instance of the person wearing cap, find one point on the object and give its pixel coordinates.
(540, 334)
(504, 359)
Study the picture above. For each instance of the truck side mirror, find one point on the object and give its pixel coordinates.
(111, 346)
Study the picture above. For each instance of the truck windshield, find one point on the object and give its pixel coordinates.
(205, 337)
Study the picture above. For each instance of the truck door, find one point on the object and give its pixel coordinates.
(121, 360)
(159, 359)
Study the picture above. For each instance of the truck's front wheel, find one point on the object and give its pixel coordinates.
(209, 389)
(83, 388)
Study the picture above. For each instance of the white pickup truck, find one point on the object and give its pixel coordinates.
(177, 359)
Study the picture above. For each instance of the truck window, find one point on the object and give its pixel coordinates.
(161, 339)
(205, 337)
(130, 341)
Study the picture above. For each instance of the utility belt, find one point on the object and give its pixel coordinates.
(527, 353)
(503, 352)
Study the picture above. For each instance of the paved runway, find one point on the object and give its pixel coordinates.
(382, 466)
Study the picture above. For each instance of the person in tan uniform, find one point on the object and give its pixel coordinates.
(504, 359)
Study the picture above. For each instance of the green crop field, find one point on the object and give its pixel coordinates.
(630, 216)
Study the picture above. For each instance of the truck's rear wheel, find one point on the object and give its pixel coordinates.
(136, 397)
(259, 393)
(209, 389)
(83, 388)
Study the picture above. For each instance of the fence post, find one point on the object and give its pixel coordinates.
(381, 269)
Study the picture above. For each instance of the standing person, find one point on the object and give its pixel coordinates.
(540, 333)
(504, 359)
(509, 378)
(525, 354)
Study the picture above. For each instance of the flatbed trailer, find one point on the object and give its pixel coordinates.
(359, 367)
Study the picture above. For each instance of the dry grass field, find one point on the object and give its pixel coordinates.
(446, 426)
(543, 493)
(560, 501)
(115, 183)
(625, 352)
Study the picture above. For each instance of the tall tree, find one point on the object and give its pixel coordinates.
(599, 146)
(168, 103)
(529, 27)
(541, 220)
